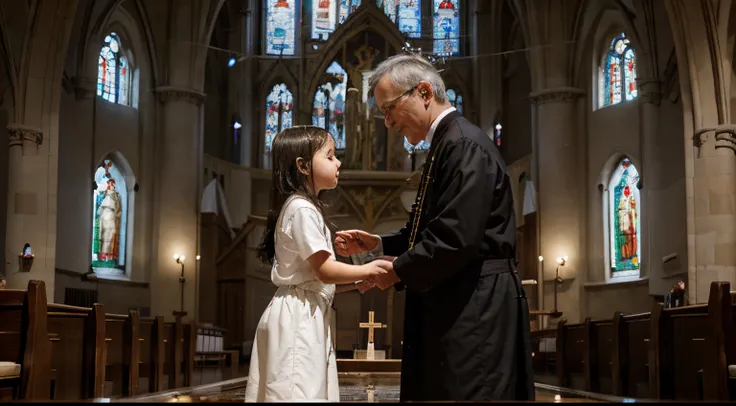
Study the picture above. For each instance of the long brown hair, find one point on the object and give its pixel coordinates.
(286, 178)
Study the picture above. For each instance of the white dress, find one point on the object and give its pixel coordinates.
(293, 356)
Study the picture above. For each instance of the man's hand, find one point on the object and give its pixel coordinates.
(388, 279)
(352, 242)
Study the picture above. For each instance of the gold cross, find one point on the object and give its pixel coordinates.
(371, 325)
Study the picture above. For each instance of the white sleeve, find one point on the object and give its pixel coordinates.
(308, 233)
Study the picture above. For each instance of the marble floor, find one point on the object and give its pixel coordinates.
(215, 385)
(234, 391)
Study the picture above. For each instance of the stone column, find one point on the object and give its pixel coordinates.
(650, 183)
(711, 192)
(30, 208)
(177, 199)
(560, 194)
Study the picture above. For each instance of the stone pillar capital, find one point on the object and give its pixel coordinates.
(20, 135)
(650, 90)
(724, 136)
(174, 93)
(84, 87)
(557, 95)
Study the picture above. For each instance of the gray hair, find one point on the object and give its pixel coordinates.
(406, 71)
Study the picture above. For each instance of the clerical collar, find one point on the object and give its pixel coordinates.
(435, 123)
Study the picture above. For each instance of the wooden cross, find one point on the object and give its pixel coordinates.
(371, 325)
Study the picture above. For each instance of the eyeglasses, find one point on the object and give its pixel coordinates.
(389, 105)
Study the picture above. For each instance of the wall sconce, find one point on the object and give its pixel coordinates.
(560, 262)
(180, 260)
(197, 257)
(25, 260)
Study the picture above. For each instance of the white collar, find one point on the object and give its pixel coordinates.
(435, 123)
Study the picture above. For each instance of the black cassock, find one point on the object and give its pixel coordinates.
(466, 328)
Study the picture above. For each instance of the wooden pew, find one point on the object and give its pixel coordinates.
(189, 348)
(679, 345)
(720, 372)
(602, 350)
(685, 353)
(151, 338)
(173, 350)
(77, 335)
(544, 355)
(631, 353)
(24, 341)
(573, 355)
(122, 354)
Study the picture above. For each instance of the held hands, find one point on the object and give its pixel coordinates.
(352, 242)
(383, 280)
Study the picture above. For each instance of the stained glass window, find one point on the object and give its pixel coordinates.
(329, 104)
(497, 134)
(407, 14)
(326, 14)
(624, 220)
(279, 108)
(280, 26)
(410, 18)
(110, 219)
(113, 72)
(617, 81)
(324, 17)
(346, 8)
(455, 99)
(446, 27)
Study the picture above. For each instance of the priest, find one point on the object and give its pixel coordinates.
(466, 328)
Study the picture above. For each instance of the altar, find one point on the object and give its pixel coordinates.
(370, 367)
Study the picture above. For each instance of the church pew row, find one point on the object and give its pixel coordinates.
(684, 353)
(24, 345)
(61, 352)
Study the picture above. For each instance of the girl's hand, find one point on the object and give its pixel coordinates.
(352, 242)
(374, 268)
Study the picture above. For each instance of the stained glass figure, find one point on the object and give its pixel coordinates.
(279, 108)
(446, 27)
(280, 27)
(110, 202)
(329, 104)
(324, 17)
(113, 72)
(617, 80)
(624, 220)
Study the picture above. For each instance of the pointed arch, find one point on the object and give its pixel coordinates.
(279, 113)
(276, 74)
(115, 76)
(136, 32)
(113, 204)
(328, 109)
(454, 80)
(617, 73)
(364, 18)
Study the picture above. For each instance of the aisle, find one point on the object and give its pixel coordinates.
(234, 391)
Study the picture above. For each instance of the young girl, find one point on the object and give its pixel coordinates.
(293, 356)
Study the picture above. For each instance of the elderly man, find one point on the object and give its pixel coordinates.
(466, 328)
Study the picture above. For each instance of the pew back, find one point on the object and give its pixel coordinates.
(24, 341)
